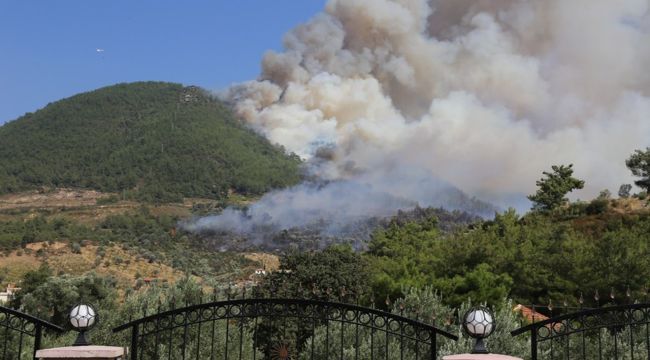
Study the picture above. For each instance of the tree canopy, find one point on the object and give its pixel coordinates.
(51, 297)
(530, 259)
(333, 273)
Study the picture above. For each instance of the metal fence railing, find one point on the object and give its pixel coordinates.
(21, 334)
(281, 329)
(614, 332)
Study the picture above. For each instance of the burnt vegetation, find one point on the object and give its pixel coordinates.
(321, 234)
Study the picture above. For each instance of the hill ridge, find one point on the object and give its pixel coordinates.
(156, 141)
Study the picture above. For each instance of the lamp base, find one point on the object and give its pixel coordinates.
(479, 347)
(81, 339)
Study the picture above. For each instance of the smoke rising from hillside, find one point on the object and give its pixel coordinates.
(482, 94)
(333, 207)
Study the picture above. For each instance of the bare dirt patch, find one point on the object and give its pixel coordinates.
(54, 198)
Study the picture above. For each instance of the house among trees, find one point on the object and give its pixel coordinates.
(7, 295)
(529, 315)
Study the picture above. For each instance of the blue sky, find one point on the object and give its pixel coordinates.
(48, 49)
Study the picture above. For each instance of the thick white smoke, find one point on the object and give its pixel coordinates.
(482, 94)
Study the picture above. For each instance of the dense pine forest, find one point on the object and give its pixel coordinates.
(152, 141)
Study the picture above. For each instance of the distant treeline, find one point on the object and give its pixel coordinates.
(151, 141)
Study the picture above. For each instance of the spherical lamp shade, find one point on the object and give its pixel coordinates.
(478, 323)
(82, 317)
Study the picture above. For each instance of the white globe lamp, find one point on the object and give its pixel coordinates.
(82, 318)
(478, 323)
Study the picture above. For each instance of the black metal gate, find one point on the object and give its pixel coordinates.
(617, 332)
(281, 329)
(21, 334)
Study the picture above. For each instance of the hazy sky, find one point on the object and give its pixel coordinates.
(49, 49)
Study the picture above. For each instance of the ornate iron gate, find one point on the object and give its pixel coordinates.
(617, 332)
(21, 334)
(281, 329)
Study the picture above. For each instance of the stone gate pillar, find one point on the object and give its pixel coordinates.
(480, 357)
(91, 352)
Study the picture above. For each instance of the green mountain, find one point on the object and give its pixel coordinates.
(156, 141)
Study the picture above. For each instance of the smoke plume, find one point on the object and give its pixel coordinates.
(481, 94)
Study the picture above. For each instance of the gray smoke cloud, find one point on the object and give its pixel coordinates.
(481, 94)
(332, 207)
(338, 203)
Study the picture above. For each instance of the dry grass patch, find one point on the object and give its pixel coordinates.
(15, 266)
(628, 205)
(125, 266)
(266, 261)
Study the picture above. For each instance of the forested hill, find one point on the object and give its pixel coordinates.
(156, 141)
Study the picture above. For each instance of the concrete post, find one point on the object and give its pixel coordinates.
(91, 352)
(479, 357)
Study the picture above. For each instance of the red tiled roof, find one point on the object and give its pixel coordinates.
(529, 314)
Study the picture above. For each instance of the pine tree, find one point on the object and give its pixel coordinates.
(554, 187)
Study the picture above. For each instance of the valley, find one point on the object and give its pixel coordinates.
(120, 227)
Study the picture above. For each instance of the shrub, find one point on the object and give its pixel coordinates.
(605, 194)
(597, 206)
(577, 208)
(107, 200)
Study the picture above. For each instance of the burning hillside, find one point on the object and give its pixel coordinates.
(404, 97)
